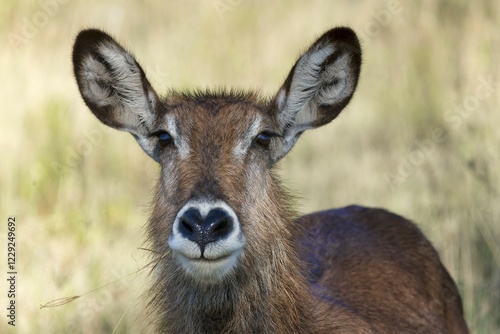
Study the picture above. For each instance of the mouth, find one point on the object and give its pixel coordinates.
(207, 240)
(208, 270)
(208, 260)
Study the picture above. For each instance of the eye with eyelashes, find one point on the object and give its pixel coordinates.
(164, 138)
(263, 139)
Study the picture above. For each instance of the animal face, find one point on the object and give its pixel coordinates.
(216, 159)
(217, 197)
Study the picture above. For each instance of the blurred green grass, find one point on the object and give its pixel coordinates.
(81, 192)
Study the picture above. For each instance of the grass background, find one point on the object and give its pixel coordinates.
(416, 139)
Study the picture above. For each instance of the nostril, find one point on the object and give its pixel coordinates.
(190, 223)
(218, 224)
(221, 227)
(187, 226)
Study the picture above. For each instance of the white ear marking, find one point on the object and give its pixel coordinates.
(280, 99)
(152, 101)
(94, 72)
(127, 81)
(114, 87)
(319, 86)
(304, 85)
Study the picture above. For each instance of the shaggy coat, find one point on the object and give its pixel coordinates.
(231, 255)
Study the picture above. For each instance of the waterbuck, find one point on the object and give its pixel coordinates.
(232, 255)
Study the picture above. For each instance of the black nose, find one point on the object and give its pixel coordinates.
(215, 226)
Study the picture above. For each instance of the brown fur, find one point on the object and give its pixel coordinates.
(384, 268)
(350, 270)
(368, 270)
(235, 305)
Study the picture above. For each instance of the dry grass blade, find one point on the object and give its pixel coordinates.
(59, 302)
(65, 300)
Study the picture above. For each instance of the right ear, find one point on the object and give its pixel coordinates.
(115, 88)
(319, 86)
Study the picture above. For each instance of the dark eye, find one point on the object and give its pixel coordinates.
(263, 139)
(164, 138)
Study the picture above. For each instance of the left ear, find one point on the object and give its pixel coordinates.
(318, 87)
(115, 88)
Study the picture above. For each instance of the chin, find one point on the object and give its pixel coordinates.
(209, 270)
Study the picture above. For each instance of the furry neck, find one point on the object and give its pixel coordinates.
(267, 293)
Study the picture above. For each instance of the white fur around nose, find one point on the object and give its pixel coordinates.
(220, 257)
